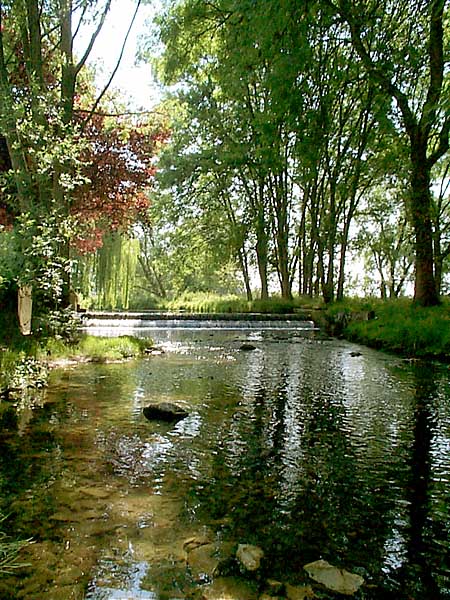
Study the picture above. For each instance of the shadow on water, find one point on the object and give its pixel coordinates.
(299, 447)
(427, 527)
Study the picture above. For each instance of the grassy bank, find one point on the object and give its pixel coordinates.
(397, 326)
(25, 363)
(211, 303)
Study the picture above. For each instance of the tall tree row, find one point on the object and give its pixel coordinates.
(299, 113)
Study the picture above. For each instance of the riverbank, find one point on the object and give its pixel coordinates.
(397, 326)
(25, 364)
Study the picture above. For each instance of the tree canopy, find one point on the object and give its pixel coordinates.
(304, 112)
(293, 139)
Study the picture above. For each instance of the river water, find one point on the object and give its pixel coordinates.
(306, 447)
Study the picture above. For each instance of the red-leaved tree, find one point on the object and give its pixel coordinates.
(118, 164)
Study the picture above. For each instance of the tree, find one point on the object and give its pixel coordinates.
(243, 119)
(117, 168)
(384, 239)
(48, 140)
(401, 46)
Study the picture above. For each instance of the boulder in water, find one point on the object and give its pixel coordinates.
(249, 556)
(153, 351)
(247, 347)
(165, 411)
(333, 578)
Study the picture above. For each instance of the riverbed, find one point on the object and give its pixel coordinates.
(305, 447)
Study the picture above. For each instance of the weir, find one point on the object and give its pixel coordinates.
(109, 322)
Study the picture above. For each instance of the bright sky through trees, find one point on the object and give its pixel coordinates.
(134, 80)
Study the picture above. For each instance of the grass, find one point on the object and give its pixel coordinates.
(9, 552)
(401, 326)
(99, 349)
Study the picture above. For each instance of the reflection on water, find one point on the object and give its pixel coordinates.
(298, 447)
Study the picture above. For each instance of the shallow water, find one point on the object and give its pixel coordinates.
(299, 447)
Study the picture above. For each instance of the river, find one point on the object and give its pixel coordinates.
(306, 447)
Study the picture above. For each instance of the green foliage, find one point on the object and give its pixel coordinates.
(285, 124)
(106, 278)
(9, 258)
(184, 249)
(104, 349)
(28, 372)
(57, 324)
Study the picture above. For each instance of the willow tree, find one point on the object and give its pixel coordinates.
(106, 278)
(403, 46)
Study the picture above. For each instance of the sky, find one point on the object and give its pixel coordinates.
(136, 81)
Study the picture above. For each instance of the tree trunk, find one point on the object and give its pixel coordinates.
(261, 259)
(242, 258)
(425, 291)
(262, 243)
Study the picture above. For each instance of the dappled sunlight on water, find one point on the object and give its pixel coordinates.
(307, 447)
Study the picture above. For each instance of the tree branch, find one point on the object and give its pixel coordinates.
(105, 89)
(436, 62)
(127, 113)
(88, 50)
(376, 72)
(444, 144)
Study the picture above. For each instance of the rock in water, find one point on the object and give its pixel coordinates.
(249, 556)
(165, 411)
(247, 347)
(229, 588)
(338, 580)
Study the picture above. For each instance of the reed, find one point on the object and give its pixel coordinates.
(9, 552)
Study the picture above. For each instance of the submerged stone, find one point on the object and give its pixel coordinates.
(206, 559)
(98, 493)
(275, 588)
(153, 351)
(294, 592)
(333, 578)
(229, 588)
(249, 556)
(195, 542)
(202, 562)
(165, 411)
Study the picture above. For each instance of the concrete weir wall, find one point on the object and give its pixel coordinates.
(149, 319)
